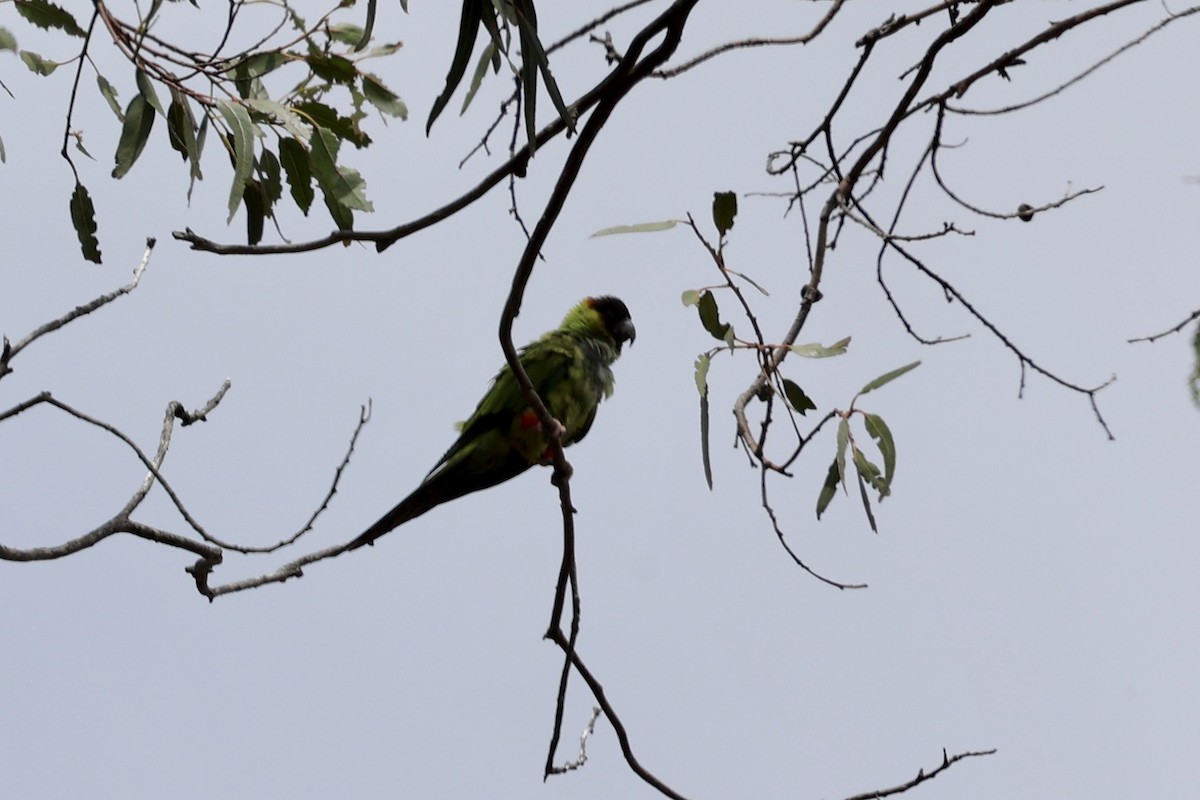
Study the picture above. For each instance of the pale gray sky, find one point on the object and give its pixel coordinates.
(1032, 585)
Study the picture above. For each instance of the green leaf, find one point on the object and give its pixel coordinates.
(272, 184)
(331, 67)
(888, 377)
(181, 127)
(829, 488)
(344, 128)
(146, 87)
(690, 298)
(843, 439)
(382, 97)
(533, 54)
(870, 473)
(110, 96)
(796, 397)
(348, 33)
(294, 159)
(194, 173)
(866, 501)
(244, 130)
(3, 155)
(135, 130)
(46, 15)
(1194, 379)
(815, 350)
(37, 64)
(724, 209)
(83, 217)
(7, 40)
(879, 431)
(255, 204)
(342, 188)
(488, 54)
(468, 32)
(368, 27)
(710, 317)
(702, 365)
(641, 227)
(292, 122)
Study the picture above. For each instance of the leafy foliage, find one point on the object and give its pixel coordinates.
(268, 131)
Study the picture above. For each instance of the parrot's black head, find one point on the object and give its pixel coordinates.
(615, 315)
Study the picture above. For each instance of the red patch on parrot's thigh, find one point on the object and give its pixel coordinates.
(529, 419)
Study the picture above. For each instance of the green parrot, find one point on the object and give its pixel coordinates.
(571, 369)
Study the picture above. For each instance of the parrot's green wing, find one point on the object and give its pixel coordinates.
(571, 370)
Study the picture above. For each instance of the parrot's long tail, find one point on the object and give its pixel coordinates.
(440, 487)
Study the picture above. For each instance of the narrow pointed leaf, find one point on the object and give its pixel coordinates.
(888, 377)
(829, 488)
(468, 31)
(135, 130)
(641, 227)
(489, 51)
(294, 160)
(843, 439)
(702, 364)
(146, 87)
(368, 27)
(870, 473)
(83, 217)
(109, 92)
(866, 501)
(796, 397)
(255, 204)
(243, 129)
(879, 431)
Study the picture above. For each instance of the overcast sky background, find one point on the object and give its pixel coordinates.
(1032, 587)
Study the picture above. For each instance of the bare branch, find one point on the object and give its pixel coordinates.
(922, 776)
(9, 352)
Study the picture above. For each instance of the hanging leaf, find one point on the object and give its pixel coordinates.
(139, 121)
(870, 473)
(829, 488)
(710, 318)
(843, 439)
(368, 26)
(879, 431)
(37, 64)
(146, 87)
(244, 130)
(702, 365)
(344, 186)
(382, 97)
(724, 209)
(46, 15)
(468, 31)
(796, 397)
(294, 159)
(489, 55)
(866, 501)
(109, 92)
(83, 217)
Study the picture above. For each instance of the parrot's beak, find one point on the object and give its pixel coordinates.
(626, 332)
